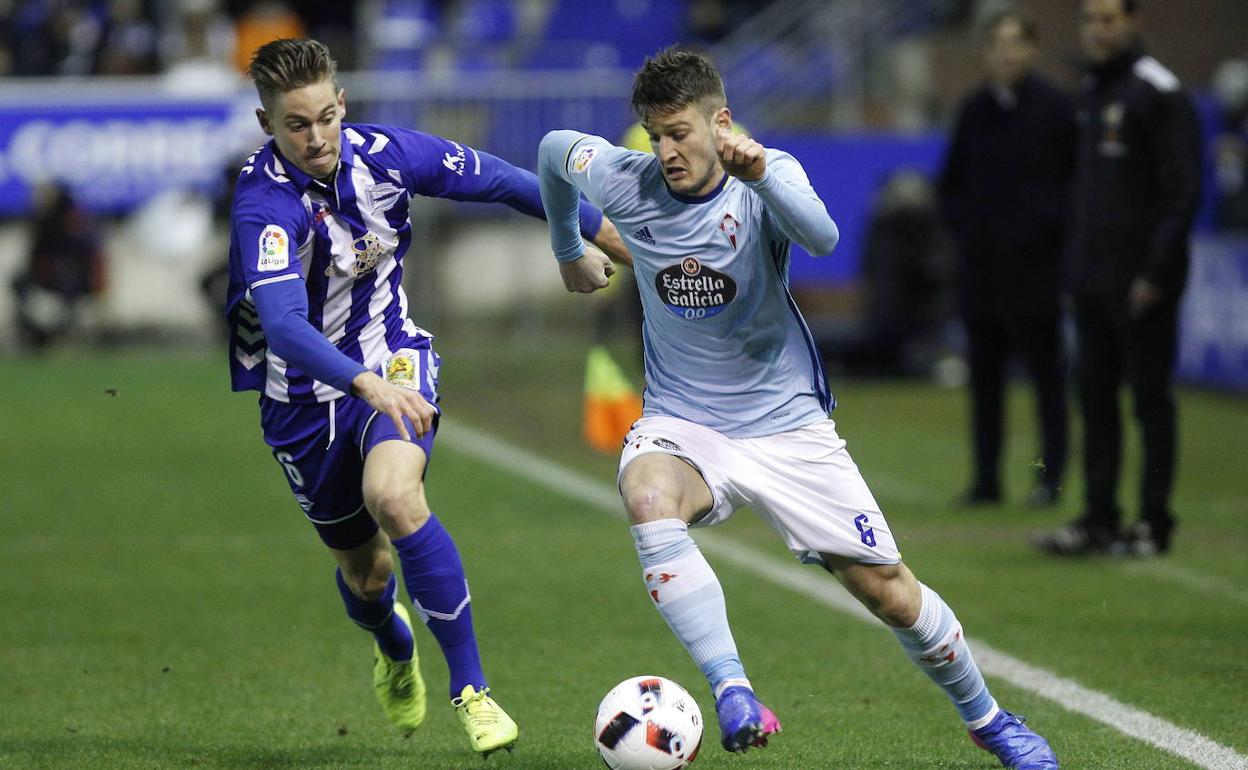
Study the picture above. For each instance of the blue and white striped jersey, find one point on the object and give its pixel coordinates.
(346, 240)
(725, 345)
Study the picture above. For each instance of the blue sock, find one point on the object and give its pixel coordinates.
(936, 644)
(392, 635)
(687, 594)
(435, 581)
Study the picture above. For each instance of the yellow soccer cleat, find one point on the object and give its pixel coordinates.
(488, 726)
(399, 686)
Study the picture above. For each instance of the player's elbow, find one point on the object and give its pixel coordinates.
(824, 240)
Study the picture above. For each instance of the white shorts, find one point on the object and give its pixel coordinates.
(802, 482)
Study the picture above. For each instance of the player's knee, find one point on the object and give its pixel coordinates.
(648, 502)
(890, 592)
(398, 507)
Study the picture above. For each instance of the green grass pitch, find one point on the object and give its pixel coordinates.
(166, 606)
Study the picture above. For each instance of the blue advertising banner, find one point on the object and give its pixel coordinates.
(1213, 327)
(115, 150)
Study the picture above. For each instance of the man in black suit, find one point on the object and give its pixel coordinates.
(1004, 193)
(1136, 190)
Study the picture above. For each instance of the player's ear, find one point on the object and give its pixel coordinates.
(342, 103)
(723, 119)
(265, 124)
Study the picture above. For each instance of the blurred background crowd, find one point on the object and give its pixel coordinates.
(123, 123)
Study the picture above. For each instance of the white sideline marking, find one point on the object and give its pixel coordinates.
(1190, 579)
(816, 585)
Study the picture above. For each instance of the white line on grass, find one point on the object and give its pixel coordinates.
(816, 585)
(1190, 579)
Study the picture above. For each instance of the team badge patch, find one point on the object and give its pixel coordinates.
(401, 370)
(729, 227)
(583, 158)
(366, 251)
(274, 250)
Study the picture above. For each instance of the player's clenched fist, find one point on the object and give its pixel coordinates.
(587, 274)
(741, 156)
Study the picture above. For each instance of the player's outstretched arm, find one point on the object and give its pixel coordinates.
(283, 310)
(581, 270)
(784, 188)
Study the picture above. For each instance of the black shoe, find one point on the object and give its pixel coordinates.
(1144, 539)
(1043, 496)
(1074, 539)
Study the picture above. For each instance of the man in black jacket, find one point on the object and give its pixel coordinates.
(1004, 193)
(1136, 191)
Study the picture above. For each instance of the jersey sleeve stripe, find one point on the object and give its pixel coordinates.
(274, 279)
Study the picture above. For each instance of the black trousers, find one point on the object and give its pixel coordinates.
(1114, 346)
(1038, 340)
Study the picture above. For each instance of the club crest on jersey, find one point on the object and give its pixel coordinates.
(274, 249)
(583, 158)
(381, 197)
(692, 291)
(729, 227)
(366, 252)
(401, 370)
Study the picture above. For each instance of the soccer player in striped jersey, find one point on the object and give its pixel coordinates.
(348, 383)
(736, 400)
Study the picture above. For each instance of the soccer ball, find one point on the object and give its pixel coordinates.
(648, 723)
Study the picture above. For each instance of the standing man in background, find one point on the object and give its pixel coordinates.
(1004, 193)
(1137, 186)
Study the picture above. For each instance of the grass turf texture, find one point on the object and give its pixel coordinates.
(165, 605)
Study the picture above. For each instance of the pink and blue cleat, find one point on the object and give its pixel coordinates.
(743, 720)
(1018, 748)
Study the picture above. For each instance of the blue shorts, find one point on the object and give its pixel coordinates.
(321, 448)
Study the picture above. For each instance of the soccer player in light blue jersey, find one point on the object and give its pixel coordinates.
(736, 400)
(348, 383)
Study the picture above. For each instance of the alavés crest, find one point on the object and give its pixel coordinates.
(692, 290)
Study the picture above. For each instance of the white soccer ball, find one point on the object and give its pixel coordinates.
(648, 723)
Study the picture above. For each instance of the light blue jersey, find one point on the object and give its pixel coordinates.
(725, 345)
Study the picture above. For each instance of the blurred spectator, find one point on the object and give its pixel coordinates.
(34, 35)
(1003, 191)
(905, 287)
(1137, 186)
(1230, 152)
(127, 44)
(263, 22)
(64, 270)
(197, 49)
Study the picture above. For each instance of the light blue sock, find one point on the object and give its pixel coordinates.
(936, 644)
(687, 594)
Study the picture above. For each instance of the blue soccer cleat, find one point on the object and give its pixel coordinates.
(743, 721)
(1012, 743)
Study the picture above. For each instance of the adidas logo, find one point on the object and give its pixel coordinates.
(643, 235)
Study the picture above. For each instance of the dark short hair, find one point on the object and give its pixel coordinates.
(673, 79)
(290, 63)
(1016, 15)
